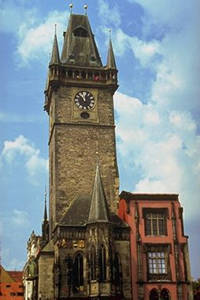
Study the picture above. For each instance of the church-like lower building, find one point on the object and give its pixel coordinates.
(87, 250)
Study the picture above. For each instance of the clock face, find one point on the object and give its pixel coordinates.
(84, 100)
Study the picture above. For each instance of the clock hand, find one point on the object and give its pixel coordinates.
(83, 97)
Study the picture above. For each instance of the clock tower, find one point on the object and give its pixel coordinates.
(84, 250)
(79, 101)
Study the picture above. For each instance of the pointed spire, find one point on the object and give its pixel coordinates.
(55, 58)
(45, 205)
(79, 47)
(111, 58)
(98, 208)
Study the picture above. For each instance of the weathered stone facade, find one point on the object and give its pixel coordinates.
(76, 145)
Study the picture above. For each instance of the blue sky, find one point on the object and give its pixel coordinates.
(157, 47)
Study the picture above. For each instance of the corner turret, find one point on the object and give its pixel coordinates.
(55, 57)
(111, 58)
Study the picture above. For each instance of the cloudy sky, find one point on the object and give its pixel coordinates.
(157, 109)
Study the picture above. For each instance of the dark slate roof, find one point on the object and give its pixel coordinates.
(77, 214)
(16, 275)
(111, 58)
(88, 209)
(79, 46)
(55, 58)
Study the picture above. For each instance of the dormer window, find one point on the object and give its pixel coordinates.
(80, 32)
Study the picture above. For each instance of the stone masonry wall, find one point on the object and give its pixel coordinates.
(76, 145)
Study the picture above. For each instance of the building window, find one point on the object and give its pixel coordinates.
(80, 32)
(157, 263)
(155, 222)
(157, 294)
(117, 273)
(78, 273)
(165, 294)
(93, 263)
(102, 264)
(154, 295)
(158, 266)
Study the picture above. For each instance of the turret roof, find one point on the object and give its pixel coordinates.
(79, 46)
(98, 207)
(111, 58)
(55, 58)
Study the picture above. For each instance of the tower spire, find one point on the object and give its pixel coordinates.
(111, 58)
(55, 57)
(79, 47)
(45, 223)
(98, 208)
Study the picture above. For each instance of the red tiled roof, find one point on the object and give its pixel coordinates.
(9, 291)
(16, 275)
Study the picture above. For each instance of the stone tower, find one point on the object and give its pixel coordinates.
(79, 101)
(86, 254)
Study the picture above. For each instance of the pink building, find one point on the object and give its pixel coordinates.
(159, 248)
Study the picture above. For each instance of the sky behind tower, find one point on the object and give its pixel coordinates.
(157, 46)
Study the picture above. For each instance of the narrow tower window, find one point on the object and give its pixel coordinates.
(93, 263)
(78, 273)
(117, 270)
(102, 264)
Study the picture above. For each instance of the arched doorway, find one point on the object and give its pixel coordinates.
(154, 295)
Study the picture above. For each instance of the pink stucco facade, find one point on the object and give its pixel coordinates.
(175, 283)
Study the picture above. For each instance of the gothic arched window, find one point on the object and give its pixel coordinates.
(93, 263)
(102, 263)
(77, 272)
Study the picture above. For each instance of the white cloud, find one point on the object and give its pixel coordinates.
(20, 218)
(163, 146)
(11, 15)
(21, 151)
(144, 51)
(36, 41)
(34, 35)
(109, 15)
(15, 264)
(17, 118)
